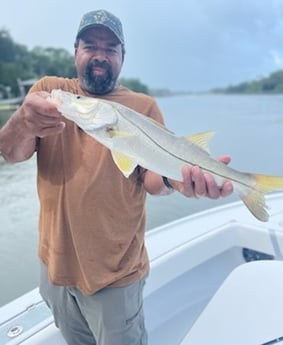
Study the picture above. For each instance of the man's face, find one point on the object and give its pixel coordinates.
(99, 59)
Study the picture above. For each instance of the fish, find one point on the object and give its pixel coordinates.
(137, 140)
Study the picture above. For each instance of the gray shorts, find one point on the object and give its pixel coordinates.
(112, 316)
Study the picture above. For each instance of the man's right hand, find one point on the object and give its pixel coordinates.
(40, 117)
(36, 118)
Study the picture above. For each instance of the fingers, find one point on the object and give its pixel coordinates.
(52, 130)
(194, 183)
(198, 184)
(224, 159)
(227, 189)
(38, 103)
(188, 186)
(41, 118)
(213, 191)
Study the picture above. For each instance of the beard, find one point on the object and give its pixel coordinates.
(99, 85)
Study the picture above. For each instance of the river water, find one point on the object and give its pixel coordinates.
(249, 128)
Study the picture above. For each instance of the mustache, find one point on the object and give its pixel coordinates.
(99, 84)
(99, 64)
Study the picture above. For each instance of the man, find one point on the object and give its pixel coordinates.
(92, 219)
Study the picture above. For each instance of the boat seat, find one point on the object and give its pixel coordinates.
(247, 309)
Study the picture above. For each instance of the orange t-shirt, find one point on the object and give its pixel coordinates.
(92, 218)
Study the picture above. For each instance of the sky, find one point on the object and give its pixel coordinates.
(181, 45)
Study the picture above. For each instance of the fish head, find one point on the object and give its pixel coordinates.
(89, 113)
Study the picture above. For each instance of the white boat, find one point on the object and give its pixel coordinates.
(216, 278)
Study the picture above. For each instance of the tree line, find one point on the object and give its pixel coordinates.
(272, 84)
(18, 62)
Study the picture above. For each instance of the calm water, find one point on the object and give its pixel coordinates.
(249, 128)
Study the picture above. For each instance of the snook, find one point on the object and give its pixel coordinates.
(135, 139)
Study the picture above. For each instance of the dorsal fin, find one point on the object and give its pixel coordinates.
(201, 139)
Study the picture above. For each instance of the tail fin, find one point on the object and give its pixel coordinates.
(267, 184)
(255, 199)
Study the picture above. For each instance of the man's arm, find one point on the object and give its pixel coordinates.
(36, 118)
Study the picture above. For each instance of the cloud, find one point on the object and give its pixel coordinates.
(277, 58)
(185, 45)
(208, 43)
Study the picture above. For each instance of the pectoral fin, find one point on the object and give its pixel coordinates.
(125, 163)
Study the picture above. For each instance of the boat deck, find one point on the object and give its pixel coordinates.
(191, 259)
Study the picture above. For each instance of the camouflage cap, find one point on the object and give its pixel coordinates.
(102, 17)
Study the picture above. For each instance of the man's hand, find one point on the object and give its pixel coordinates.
(40, 117)
(36, 118)
(197, 184)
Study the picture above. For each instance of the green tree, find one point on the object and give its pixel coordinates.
(17, 62)
(52, 61)
(14, 61)
(270, 84)
(7, 46)
(134, 84)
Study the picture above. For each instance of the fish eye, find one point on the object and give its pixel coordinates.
(78, 97)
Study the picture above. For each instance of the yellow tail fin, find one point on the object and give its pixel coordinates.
(255, 199)
(267, 184)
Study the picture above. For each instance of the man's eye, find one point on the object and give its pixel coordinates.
(108, 51)
(90, 48)
(111, 51)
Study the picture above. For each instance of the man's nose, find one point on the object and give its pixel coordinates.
(100, 54)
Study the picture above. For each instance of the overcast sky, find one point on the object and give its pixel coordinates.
(180, 45)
